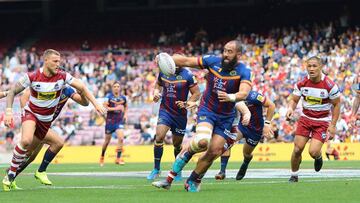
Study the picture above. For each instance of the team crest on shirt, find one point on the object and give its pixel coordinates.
(202, 118)
(57, 87)
(323, 135)
(233, 72)
(179, 77)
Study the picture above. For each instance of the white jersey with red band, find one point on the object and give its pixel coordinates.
(44, 92)
(316, 97)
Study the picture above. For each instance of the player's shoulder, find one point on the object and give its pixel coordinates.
(303, 82)
(186, 72)
(242, 68)
(211, 59)
(328, 82)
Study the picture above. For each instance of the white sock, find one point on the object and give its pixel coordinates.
(295, 173)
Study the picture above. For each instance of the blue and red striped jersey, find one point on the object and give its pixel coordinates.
(115, 117)
(219, 79)
(255, 102)
(66, 93)
(176, 88)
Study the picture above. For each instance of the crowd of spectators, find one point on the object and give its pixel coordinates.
(276, 60)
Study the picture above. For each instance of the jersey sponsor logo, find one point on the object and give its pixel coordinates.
(251, 141)
(219, 84)
(179, 77)
(170, 90)
(179, 131)
(233, 72)
(46, 95)
(313, 100)
(260, 98)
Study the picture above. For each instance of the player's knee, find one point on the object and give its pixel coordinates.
(247, 155)
(25, 142)
(298, 150)
(214, 152)
(159, 139)
(314, 153)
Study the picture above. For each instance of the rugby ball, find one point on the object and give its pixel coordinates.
(166, 64)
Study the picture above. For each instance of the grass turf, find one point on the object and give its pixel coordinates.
(114, 189)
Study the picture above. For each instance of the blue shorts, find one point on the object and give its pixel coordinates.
(222, 123)
(111, 128)
(177, 124)
(251, 136)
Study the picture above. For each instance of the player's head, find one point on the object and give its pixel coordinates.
(314, 66)
(231, 54)
(116, 87)
(51, 60)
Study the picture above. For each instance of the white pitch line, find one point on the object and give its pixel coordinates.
(131, 187)
(251, 173)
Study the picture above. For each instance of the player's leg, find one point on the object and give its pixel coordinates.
(315, 153)
(226, 155)
(223, 164)
(319, 136)
(32, 157)
(216, 148)
(120, 146)
(199, 143)
(299, 145)
(247, 153)
(177, 139)
(161, 130)
(104, 147)
(55, 143)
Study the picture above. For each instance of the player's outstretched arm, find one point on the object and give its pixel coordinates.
(184, 61)
(80, 98)
(157, 92)
(78, 85)
(3, 94)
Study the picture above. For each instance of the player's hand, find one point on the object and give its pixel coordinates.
(331, 131)
(101, 110)
(353, 119)
(181, 104)
(125, 118)
(267, 131)
(223, 96)
(156, 96)
(289, 114)
(156, 60)
(9, 120)
(191, 105)
(246, 118)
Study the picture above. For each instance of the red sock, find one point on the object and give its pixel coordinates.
(171, 176)
(19, 156)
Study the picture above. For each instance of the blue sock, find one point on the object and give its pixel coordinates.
(187, 156)
(158, 152)
(177, 150)
(224, 162)
(194, 176)
(48, 157)
(119, 151)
